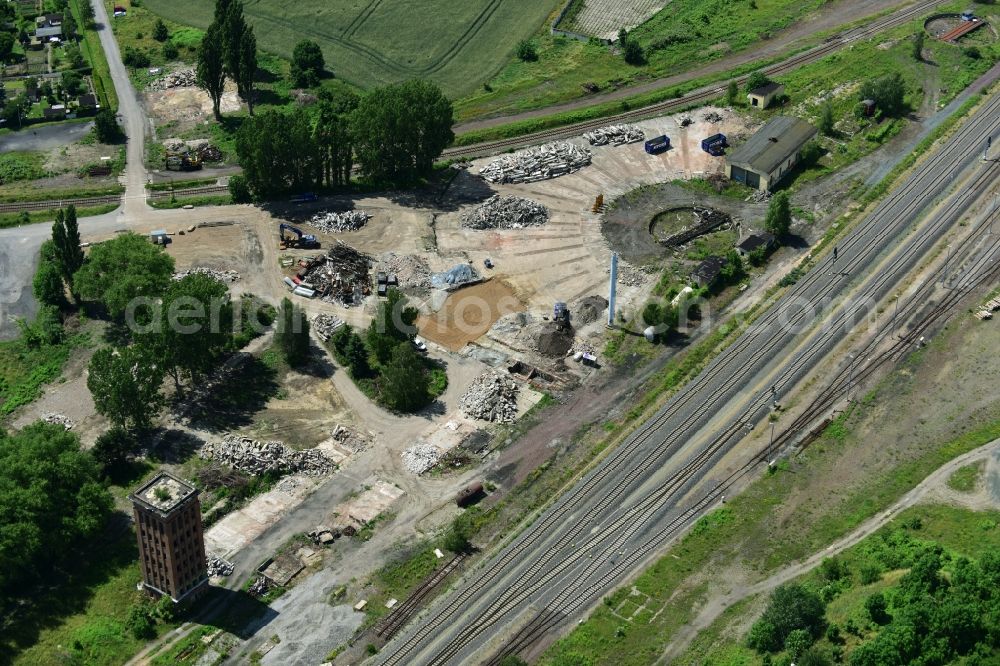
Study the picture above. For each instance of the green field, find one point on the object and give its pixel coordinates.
(372, 42)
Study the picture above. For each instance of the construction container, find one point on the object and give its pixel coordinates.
(471, 494)
(381, 278)
(290, 282)
(392, 281)
(714, 144)
(303, 291)
(658, 144)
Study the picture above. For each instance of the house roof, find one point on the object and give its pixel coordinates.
(772, 144)
(754, 241)
(766, 89)
(709, 269)
(88, 100)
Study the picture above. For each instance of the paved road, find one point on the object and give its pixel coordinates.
(133, 118)
(45, 137)
(934, 482)
(634, 501)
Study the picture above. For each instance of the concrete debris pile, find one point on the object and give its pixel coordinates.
(758, 196)
(323, 536)
(460, 274)
(59, 419)
(254, 457)
(630, 276)
(539, 163)
(616, 135)
(411, 271)
(491, 397)
(499, 212)
(712, 117)
(350, 439)
(219, 567)
(420, 458)
(326, 325)
(335, 223)
(259, 587)
(182, 78)
(686, 120)
(221, 276)
(339, 276)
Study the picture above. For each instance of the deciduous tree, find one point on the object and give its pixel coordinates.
(210, 72)
(122, 269)
(404, 382)
(292, 335)
(125, 385)
(50, 499)
(779, 215)
(399, 130)
(307, 64)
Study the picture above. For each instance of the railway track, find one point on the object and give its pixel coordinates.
(402, 614)
(985, 267)
(630, 461)
(695, 97)
(84, 202)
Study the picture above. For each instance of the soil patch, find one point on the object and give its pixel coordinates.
(589, 309)
(556, 339)
(468, 313)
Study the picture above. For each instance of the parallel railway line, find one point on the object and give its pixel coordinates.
(865, 247)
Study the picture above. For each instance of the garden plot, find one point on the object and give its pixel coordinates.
(604, 18)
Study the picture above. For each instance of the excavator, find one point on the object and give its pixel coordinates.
(302, 240)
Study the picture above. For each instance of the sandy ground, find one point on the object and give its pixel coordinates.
(187, 107)
(468, 313)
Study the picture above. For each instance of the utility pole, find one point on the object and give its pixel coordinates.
(895, 311)
(770, 446)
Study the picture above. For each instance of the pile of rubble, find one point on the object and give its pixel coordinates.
(221, 276)
(59, 419)
(340, 276)
(410, 270)
(182, 78)
(259, 587)
(254, 457)
(491, 397)
(758, 196)
(323, 536)
(499, 212)
(630, 276)
(420, 458)
(335, 223)
(556, 339)
(460, 274)
(616, 135)
(539, 163)
(326, 325)
(712, 117)
(589, 309)
(350, 439)
(219, 567)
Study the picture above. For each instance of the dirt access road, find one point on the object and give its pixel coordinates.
(831, 16)
(933, 487)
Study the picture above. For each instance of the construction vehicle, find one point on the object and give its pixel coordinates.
(560, 312)
(183, 161)
(302, 240)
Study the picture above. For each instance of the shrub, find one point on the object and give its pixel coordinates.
(170, 51)
(160, 32)
(239, 189)
(133, 57)
(526, 50)
(633, 53)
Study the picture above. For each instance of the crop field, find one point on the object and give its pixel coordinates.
(371, 42)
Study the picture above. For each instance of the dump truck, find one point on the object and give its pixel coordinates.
(301, 240)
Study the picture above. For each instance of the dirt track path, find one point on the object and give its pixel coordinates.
(933, 486)
(832, 16)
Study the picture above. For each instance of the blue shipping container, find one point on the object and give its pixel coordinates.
(714, 144)
(658, 144)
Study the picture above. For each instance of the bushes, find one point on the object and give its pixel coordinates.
(20, 166)
(133, 57)
(526, 51)
(239, 189)
(791, 608)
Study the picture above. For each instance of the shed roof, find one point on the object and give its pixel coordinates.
(766, 89)
(754, 241)
(773, 143)
(709, 269)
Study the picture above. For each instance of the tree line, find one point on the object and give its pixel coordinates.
(391, 134)
(228, 50)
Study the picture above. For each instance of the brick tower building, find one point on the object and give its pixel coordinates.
(171, 539)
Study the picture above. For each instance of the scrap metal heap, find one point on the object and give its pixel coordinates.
(491, 397)
(509, 212)
(219, 567)
(335, 223)
(254, 457)
(616, 135)
(339, 276)
(540, 163)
